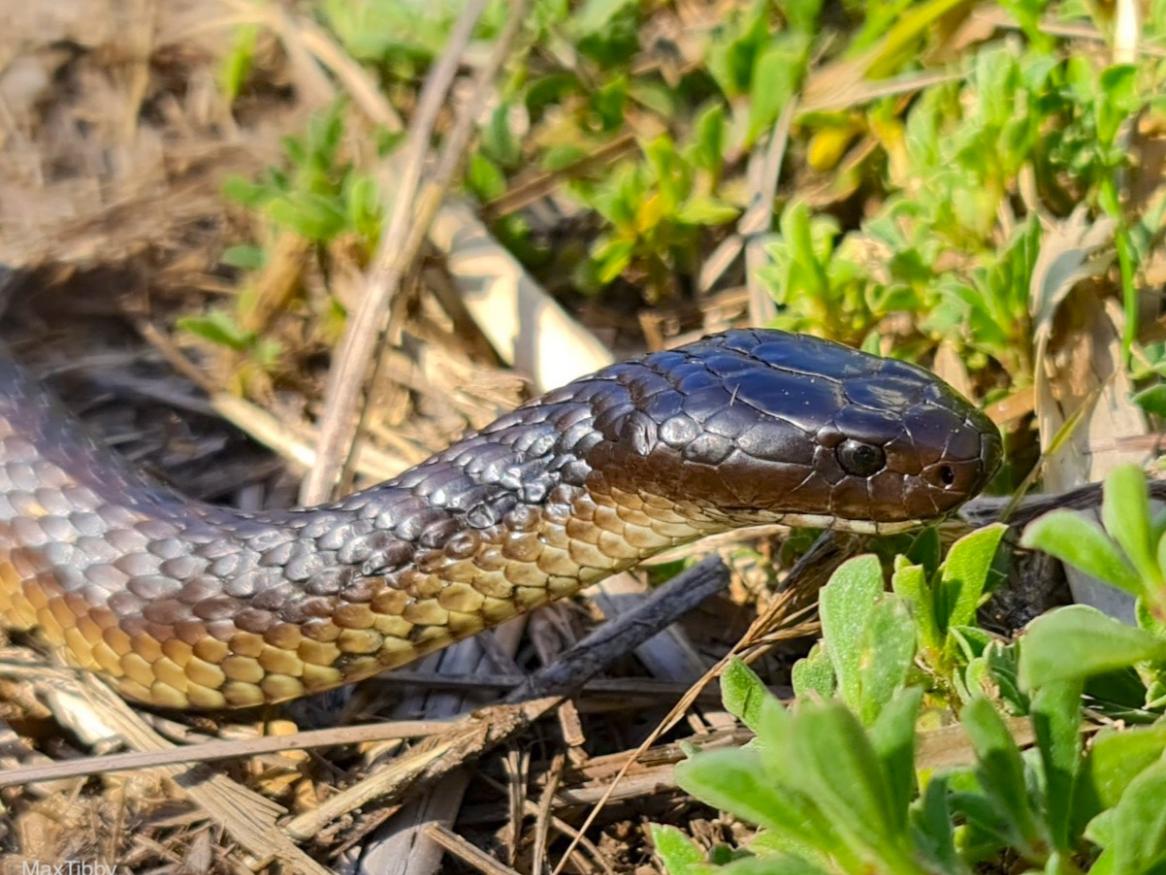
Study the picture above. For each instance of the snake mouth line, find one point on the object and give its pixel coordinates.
(860, 527)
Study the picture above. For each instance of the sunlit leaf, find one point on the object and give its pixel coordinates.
(1070, 537)
(742, 692)
(1079, 641)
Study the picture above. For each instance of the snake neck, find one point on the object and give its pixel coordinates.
(186, 604)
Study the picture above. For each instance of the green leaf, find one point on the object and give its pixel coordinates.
(1106, 864)
(971, 641)
(362, 207)
(1115, 759)
(1119, 99)
(1061, 864)
(736, 781)
(484, 177)
(498, 140)
(1079, 641)
(798, 236)
(266, 352)
(1153, 399)
(246, 192)
(1139, 822)
(244, 257)
(219, 327)
(985, 830)
(561, 156)
(1056, 718)
(888, 649)
(899, 40)
(701, 209)
(812, 836)
(776, 846)
(677, 851)
(774, 731)
(1073, 539)
(730, 59)
(838, 768)
(910, 583)
(236, 65)
(999, 767)
(549, 89)
(845, 604)
(1125, 510)
(313, 216)
(814, 674)
(781, 865)
(777, 74)
(594, 15)
(612, 257)
(926, 550)
(671, 172)
(932, 828)
(964, 575)
(892, 736)
(656, 96)
(1002, 664)
(743, 691)
(801, 15)
(609, 101)
(708, 142)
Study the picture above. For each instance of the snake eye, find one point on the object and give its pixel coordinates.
(860, 459)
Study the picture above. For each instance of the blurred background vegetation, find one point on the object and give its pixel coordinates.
(904, 191)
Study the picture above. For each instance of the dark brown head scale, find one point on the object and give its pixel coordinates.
(765, 424)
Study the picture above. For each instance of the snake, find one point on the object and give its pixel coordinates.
(186, 604)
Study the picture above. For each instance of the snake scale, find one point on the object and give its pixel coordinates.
(183, 604)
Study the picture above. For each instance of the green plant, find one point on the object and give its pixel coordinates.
(835, 782)
(834, 795)
(871, 639)
(655, 211)
(320, 195)
(1127, 552)
(942, 246)
(758, 68)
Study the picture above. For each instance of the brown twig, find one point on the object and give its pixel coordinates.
(398, 245)
(560, 826)
(615, 638)
(294, 442)
(221, 750)
(466, 852)
(435, 758)
(542, 820)
(759, 218)
(525, 193)
(249, 818)
(986, 509)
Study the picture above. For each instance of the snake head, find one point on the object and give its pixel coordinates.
(763, 426)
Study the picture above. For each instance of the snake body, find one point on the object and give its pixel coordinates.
(184, 604)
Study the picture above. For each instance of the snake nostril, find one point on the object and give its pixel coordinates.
(947, 475)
